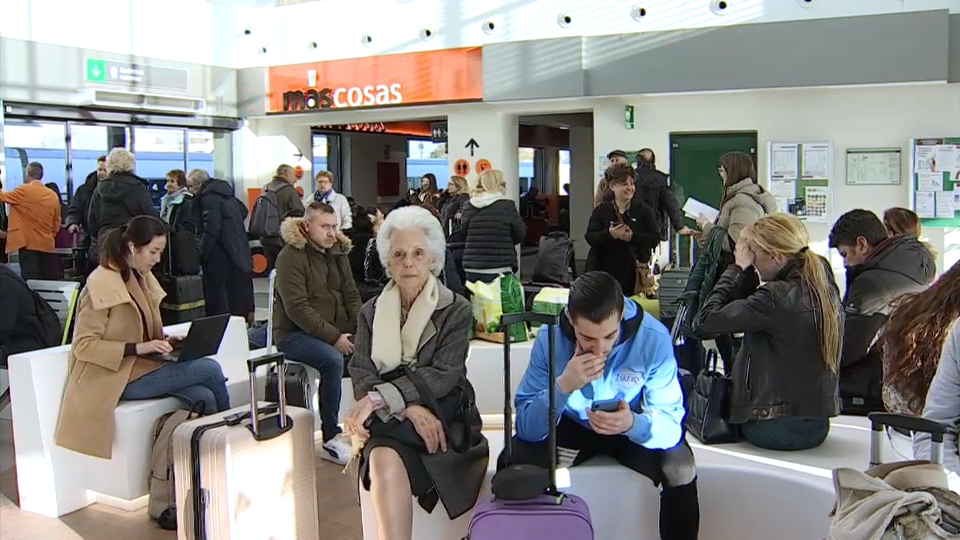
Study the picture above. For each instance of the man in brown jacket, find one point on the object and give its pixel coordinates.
(34, 224)
(317, 303)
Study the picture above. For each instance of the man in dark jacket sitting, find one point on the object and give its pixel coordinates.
(224, 248)
(652, 190)
(879, 270)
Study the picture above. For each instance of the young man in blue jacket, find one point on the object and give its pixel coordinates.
(607, 348)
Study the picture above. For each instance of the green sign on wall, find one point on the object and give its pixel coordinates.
(96, 70)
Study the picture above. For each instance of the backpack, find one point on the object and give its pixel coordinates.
(265, 218)
(49, 331)
(163, 496)
(554, 259)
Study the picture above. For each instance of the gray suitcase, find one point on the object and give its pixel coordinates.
(673, 282)
(247, 473)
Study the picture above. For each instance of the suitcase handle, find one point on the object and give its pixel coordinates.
(551, 321)
(879, 420)
(261, 429)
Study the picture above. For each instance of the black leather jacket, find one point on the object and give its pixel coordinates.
(779, 371)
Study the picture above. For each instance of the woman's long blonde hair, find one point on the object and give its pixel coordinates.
(490, 181)
(783, 236)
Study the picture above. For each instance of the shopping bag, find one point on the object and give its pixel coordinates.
(550, 301)
(708, 406)
(490, 301)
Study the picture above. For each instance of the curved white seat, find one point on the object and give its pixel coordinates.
(53, 481)
(743, 491)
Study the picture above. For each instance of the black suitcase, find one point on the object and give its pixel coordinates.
(184, 301)
(297, 385)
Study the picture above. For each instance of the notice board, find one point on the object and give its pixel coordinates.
(935, 180)
(800, 178)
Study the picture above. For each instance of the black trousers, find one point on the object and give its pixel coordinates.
(226, 288)
(38, 265)
(673, 469)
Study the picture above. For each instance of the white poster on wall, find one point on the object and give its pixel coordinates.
(925, 158)
(944, 204)
(784, 161)
(817, 204)
(816, 161)
(926, 204)
(929, 181)
(946, 159)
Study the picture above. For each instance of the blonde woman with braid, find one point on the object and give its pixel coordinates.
(785, 374)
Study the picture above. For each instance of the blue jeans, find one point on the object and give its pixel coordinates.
(320, 355)
(786, 433)
(193, 382)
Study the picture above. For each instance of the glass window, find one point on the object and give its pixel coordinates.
(426, 157)
(158, 151)
(563, 179)
(44, 143)
(200, 151)
(87, 143)
(526, 158)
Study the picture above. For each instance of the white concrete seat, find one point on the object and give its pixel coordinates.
(485, 372)
(745, 492)
(54, 481)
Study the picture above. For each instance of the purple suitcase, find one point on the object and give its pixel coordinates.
(555, 515)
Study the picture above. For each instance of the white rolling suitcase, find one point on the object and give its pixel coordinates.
(255, 469)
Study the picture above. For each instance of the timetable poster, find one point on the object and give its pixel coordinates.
(936, 181)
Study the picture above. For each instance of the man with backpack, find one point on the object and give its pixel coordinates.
(278, 201)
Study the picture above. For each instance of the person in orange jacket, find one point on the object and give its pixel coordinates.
(33, 224)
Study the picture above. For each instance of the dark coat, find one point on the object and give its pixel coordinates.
(780, 370)
(77, 212)
(442, 364)
(653, 190)
(20, 324)
(115, 201)
(617, 257)
(453, 205)
(492, 232)
(898, 266)
(316, 293)
(219, 216)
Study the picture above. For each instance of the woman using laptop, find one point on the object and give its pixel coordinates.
(117, 326)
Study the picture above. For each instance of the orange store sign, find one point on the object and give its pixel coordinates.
(444, 76)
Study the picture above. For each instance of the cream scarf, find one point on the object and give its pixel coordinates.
(387, 326)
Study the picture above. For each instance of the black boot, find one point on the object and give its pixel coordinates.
(679, 512)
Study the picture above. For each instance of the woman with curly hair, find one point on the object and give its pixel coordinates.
(921, 362)
(913, 339)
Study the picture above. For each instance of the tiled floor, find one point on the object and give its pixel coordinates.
(338, 508)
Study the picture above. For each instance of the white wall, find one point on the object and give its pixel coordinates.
(361, 153)
(850, 117)
(193, 31)
(212, 33)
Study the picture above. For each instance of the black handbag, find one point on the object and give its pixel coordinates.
(454, 411)
(708, 406)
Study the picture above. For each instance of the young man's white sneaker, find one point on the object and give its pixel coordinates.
(336, 450)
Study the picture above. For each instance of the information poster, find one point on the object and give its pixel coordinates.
(935, 181)
(800, 179)
(873, 166)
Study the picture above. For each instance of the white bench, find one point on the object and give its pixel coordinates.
(743, 490)
(485, 372)
(53, 481)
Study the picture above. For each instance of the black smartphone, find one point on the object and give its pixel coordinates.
(606, 405)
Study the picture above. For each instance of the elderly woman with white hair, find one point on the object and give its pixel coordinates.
(117, 199)
(415, 411)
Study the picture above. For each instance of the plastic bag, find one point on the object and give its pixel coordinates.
(550, 300)
(490, 301)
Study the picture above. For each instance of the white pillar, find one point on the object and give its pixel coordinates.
(498, 139)
(583, 171)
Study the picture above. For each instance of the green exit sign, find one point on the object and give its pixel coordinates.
(628, 117)
(96, 70)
